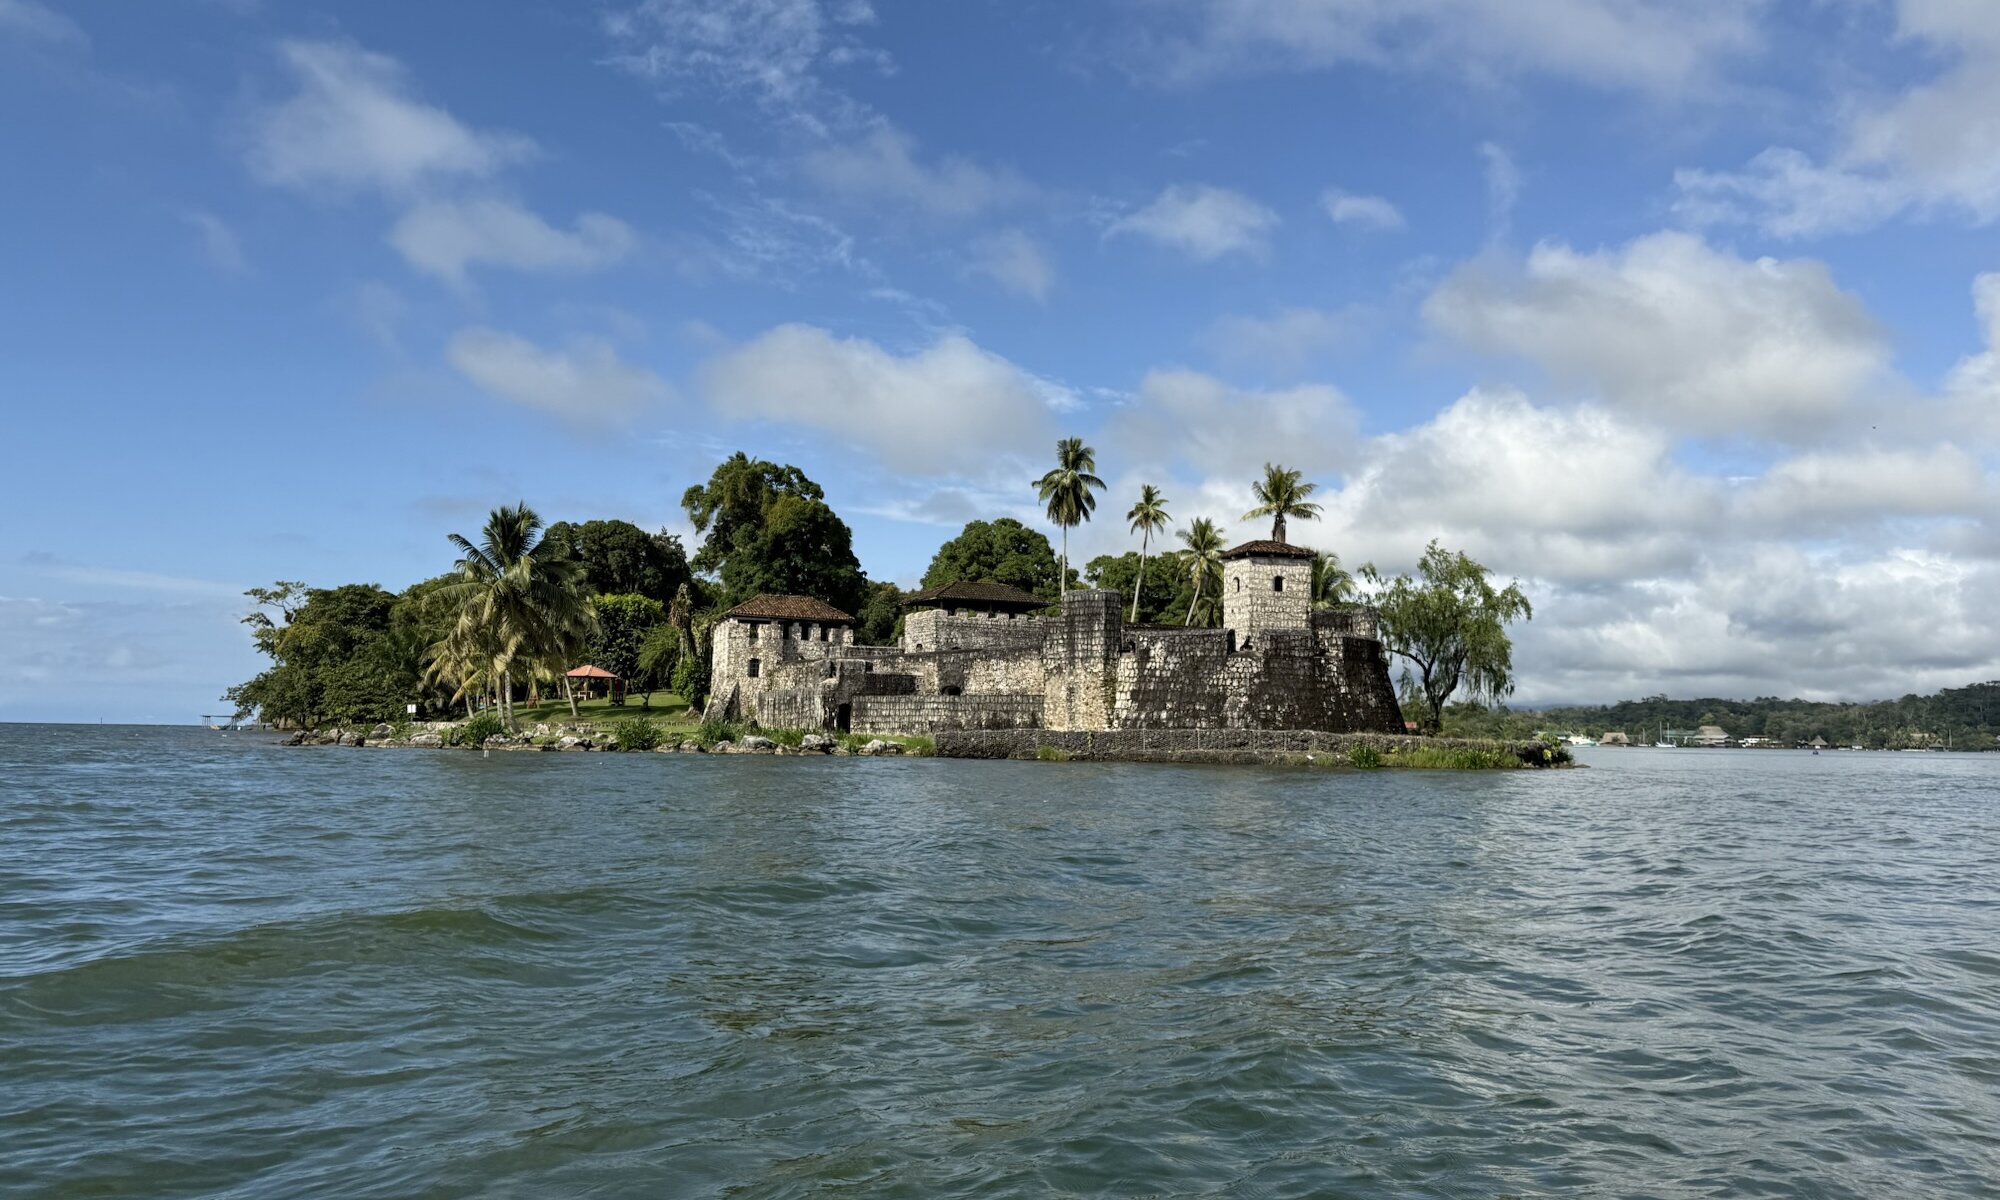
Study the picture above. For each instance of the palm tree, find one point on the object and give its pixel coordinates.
(1201, 556)
(1280, 494)
(516, 601)
(1148, 517)
(1067, 492)
(1332, 584)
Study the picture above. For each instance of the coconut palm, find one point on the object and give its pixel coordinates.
(1066, 491)
(1201, 557)
(517, 601)
(1148, 517)
(1280, 494)
(1332, 584)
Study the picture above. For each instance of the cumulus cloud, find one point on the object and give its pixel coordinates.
(1835, 489)
(355, 123)
(1016, 262)
(445, 238)
(585, 382)
(218, 242)
(1673, 329)
(1203, 222)
(1368, 212)
(882, 166)
(950, 408)
(1199, 426)
(1933, 148)
(1658, 46)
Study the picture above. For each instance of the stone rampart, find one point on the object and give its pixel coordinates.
(1199, 745)
(931, 714)
(938, 629)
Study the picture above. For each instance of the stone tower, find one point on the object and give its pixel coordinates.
(1266, 586)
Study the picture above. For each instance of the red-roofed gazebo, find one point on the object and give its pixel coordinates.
(586, 673)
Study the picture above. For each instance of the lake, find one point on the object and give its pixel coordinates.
(233, 969)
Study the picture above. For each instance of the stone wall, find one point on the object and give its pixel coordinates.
(1263, 592)
(931, 714)
(1199, 745)
(1079, 661)
(938, 629)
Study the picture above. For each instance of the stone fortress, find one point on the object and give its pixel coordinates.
(984, 656)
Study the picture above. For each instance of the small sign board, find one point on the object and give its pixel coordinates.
(413, 710)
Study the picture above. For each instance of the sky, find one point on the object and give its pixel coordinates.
(1685, 313)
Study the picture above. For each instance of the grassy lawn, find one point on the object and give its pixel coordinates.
(667, 710)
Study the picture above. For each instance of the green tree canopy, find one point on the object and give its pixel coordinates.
(1201, 565)
(881, 615)
(519, 602)
(769, 530)
(619, 558)
(1452, 629)
(1162, 600)
(1282, 494)
(332, 662)
(1068, 490)
(623, 624)
(1001, 551)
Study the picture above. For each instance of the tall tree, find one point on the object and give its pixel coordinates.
(1161, 596)
(619, 558)
(623, 625)
(1148, 517)
(1201, 558)
(999, 551)
(1332, 584)
(1452, 629)
(517, 602)
(1282, 494)
(769, 530)
(332, 657)
(1068, 492)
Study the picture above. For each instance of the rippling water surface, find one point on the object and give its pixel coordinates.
(229, 968)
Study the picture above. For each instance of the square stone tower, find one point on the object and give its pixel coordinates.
(1266, 585)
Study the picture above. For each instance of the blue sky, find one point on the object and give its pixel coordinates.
(1685, 313)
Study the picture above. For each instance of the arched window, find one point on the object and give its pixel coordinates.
(951, 689)
(756, 666)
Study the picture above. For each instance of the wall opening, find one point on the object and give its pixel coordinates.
(843, 718)
(1239, 583)
(753, 632)
(951, 689)
(1277, 583)
(826, 633)
(756, 667)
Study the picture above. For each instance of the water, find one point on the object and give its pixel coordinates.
(232, 969)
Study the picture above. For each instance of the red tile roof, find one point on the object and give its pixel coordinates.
(997, 595)
(767, 607)
(1269, 549)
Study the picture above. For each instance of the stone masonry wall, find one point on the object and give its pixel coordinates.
(1079, 662)
(931, 714)
(1253, 601)
(937, 629)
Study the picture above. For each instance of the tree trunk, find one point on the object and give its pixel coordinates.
(1141, 585)
(1196, 600)
(507, 698)
(1278, 527)
(1062, 585)
(571, 693)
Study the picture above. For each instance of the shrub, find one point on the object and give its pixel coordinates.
(635, 733)
(712, 732)
(1050, 754)
(785, 737)
(1455, 758)
(476, 730)
(1365, 758)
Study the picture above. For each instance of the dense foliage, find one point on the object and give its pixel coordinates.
(619, 558)
(999, 551)
(624, 622)
(1165, 598)
(768, 529)
(332, 658)
(881, 615)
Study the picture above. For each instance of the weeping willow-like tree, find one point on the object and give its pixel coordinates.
(1281, 494)
(1148, 517)
(1201, 558)
(517, 604)
(1067, 491)
(1451, 627)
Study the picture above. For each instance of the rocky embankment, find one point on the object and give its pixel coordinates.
(585, 737)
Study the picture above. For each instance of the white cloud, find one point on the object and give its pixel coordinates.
(1369, 212)
(218, 242)
(586, 383)
(1933, 149)
(775, 52)
(355, 123)
(444, 238)
(882, 166)
(1833, 490)
(948, 409)
(39, 22)
(1972, 391)
(1286, 341)
(1204, 222)
(1210, 429)
(1673, 329)
(1666, 47)
(1016, 262)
